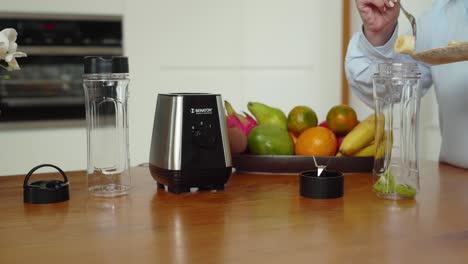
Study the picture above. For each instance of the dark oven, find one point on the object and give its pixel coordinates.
(49, 84)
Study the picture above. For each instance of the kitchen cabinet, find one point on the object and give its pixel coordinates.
(86, 7)
(32, 143)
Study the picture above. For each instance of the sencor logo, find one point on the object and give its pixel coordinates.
(201, 111)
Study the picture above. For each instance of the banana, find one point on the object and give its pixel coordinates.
(386, 137)
(405, 44)
(361, 136)
(456, 43)
(368, 151)
(381, 151)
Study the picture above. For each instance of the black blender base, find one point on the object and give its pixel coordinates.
(178, 189)
(181, 181)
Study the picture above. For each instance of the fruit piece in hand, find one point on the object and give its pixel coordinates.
(405, 44)
(453, 43)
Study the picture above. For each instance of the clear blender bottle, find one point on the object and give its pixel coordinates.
(397, 96)
(105, 83)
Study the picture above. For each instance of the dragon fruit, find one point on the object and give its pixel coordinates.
(243, 122)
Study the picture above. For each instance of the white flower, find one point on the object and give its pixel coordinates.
(8, 48)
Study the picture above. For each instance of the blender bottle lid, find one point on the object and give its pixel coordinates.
(110, 64)
(46, 191)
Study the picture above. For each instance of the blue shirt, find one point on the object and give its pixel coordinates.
(446, 21)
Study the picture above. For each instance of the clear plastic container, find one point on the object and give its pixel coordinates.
(397, 93)
(105, 84)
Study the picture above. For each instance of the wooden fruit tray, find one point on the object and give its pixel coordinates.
(294, 164)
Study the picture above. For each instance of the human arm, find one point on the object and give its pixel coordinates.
(379, 19)
(362, 60)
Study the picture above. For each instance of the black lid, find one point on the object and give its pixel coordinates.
(326, 186)
(44, 192)
(117, 64)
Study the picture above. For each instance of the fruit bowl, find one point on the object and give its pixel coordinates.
(285, 164)
(271, 139)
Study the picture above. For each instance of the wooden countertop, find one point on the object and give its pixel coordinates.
(258, 218)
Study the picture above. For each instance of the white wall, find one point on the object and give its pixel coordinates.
(429, 132)
(280, 52)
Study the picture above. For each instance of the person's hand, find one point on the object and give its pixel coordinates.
(379, 18)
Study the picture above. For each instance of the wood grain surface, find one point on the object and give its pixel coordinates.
(257, 219)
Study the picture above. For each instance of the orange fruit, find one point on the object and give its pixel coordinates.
(341, 119)
(316, 141)
(301, 118)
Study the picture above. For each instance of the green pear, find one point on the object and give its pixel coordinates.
(270, 140)
(267, 115)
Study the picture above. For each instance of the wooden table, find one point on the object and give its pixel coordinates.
(257, 219)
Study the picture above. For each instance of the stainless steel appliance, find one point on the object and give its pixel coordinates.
(189, 147)
(49, 84)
